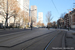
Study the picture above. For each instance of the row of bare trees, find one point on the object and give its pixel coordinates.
(12, 8)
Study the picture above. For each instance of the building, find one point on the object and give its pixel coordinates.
(66, 21)
(70, 19)
(34, 14)
(2, 13)
(60, 23)
(24, 5)
(40, 17)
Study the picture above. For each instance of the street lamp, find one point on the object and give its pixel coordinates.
(31, 19)
(6, 22)
(68, 22)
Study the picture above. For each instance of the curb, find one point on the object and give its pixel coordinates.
(63, 42)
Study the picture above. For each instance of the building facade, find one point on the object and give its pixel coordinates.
(2, 13)
(66, 21)
(34, 14)
(40, 17)
(24, 5)
(60, 23)
(70, 19)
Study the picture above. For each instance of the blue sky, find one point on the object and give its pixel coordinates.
(47, 5)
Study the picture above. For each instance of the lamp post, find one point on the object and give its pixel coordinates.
(6, 22)
(68, 19)
(31, 19)
(68, 22)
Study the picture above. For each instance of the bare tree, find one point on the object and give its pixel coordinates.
(62, 15)
(49, 17)
(54, 24)
(2, 8)
(13, 9)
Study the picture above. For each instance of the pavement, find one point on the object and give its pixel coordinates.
(70, 40)
(18, 37)
(37, 39)
(13, 28)
(9, 31)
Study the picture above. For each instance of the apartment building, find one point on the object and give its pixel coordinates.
(60, 23)
(70, 19)
(40, 17)
(24, 5)
(34, 14)
(2, 13)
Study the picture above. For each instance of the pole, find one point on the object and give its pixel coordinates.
(74, 5)
(31, 21)
(68, 20)
(6, 22)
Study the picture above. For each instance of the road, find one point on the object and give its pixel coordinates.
(37, 39)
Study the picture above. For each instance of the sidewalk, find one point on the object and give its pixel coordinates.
(9, 29)
(70, 40)
(14, 28)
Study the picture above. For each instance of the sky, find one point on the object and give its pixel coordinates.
(47, 5)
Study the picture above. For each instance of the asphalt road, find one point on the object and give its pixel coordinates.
(37, 39)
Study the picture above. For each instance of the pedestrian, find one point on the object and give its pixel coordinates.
(48, 27)
(31, 26)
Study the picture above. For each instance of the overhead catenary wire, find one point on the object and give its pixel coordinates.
(55, 6)
(74, 4)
